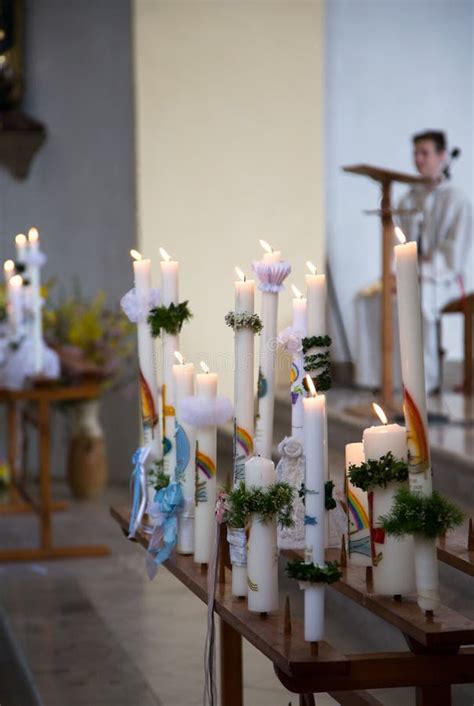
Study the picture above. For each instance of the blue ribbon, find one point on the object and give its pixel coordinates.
(308, 520)
(165, 509)
(139, 489)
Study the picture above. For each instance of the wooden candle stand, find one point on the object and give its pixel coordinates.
(42, 395)
(439, 654)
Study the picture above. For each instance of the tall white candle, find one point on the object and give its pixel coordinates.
(21, 245)
(170, 343)
(268, 344)
(36, 302)
(149, 400)
(413, 368)
(358, 526)
(243, 401)
(183, 375)
(392, 558)
(315, 442)
(262, 555)
(8, 270)
(15, 304)
(206, 389)
(297, 365)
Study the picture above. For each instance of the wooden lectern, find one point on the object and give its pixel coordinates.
(385, 177)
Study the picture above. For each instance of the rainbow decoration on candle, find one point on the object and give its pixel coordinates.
(206, 465)
(418, 448)
(357, 513)
(149, 415)
(244, 440)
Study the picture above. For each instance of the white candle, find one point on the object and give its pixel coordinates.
(315, 442)
(146, 357)
(243, 401)
(170, 343)
(297, 365)
(183, 375)
(358, 526)
(15, 304)
(206, 389)
(8, 270)
(262, 555)
(413, 369)
(392, 558)
(316, 295)
(37, 323)
(21, 244)
(268, 337)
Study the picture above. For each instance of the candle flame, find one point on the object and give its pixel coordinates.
(135, 255)
(380, 413)
(33, 235)
(205, 368)
(312, 268)
(179, 357)
(164, 255)
(20, 239)
(266, 246)
(311, 388)
(8, 265)
(16, 281)
(296, 291)
(240, 274)
(400, 235)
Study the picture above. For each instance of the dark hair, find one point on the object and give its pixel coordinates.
(436, 136)
(441, 145)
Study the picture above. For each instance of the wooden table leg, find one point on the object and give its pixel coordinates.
(12, 440)
(44, 473)
(440, 694)
(232, 693)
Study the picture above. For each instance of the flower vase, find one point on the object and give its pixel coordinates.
(87, 462)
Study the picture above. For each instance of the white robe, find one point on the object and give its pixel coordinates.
(444, 225)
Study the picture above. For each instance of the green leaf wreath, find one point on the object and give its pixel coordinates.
(427, 515)
(318, 365)
(169, 318)
(157, 478)
(244, 320)
(299, 570)
(264, 502)
(378, 473)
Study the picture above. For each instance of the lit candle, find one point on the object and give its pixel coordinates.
(21, 244)
(316, 307)
(262, 554)
(183, 376)
(170, 343)
(392, 557)
(8, 270)
(358, 526)
(243, 400)
(146, 358)
(206, 389)
(413, 368)
(268, 338)
(36, 303)
(297, 364)
(315, 443)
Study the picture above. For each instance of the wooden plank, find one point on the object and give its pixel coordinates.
(44, 553)
(54, 393)
(453, 550)
(231, 666)
(385, 175)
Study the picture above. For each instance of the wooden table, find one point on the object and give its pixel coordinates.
(438, 655)
(42, 397)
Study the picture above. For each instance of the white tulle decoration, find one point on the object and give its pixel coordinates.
(205, 413)
(20, 365)
(138, 308)
(271, 275)
(290, 340)
(34, 258)
(290, 469)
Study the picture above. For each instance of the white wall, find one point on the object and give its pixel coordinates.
(393, 68)
(229, 136)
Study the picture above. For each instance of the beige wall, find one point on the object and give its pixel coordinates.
(229, 148)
